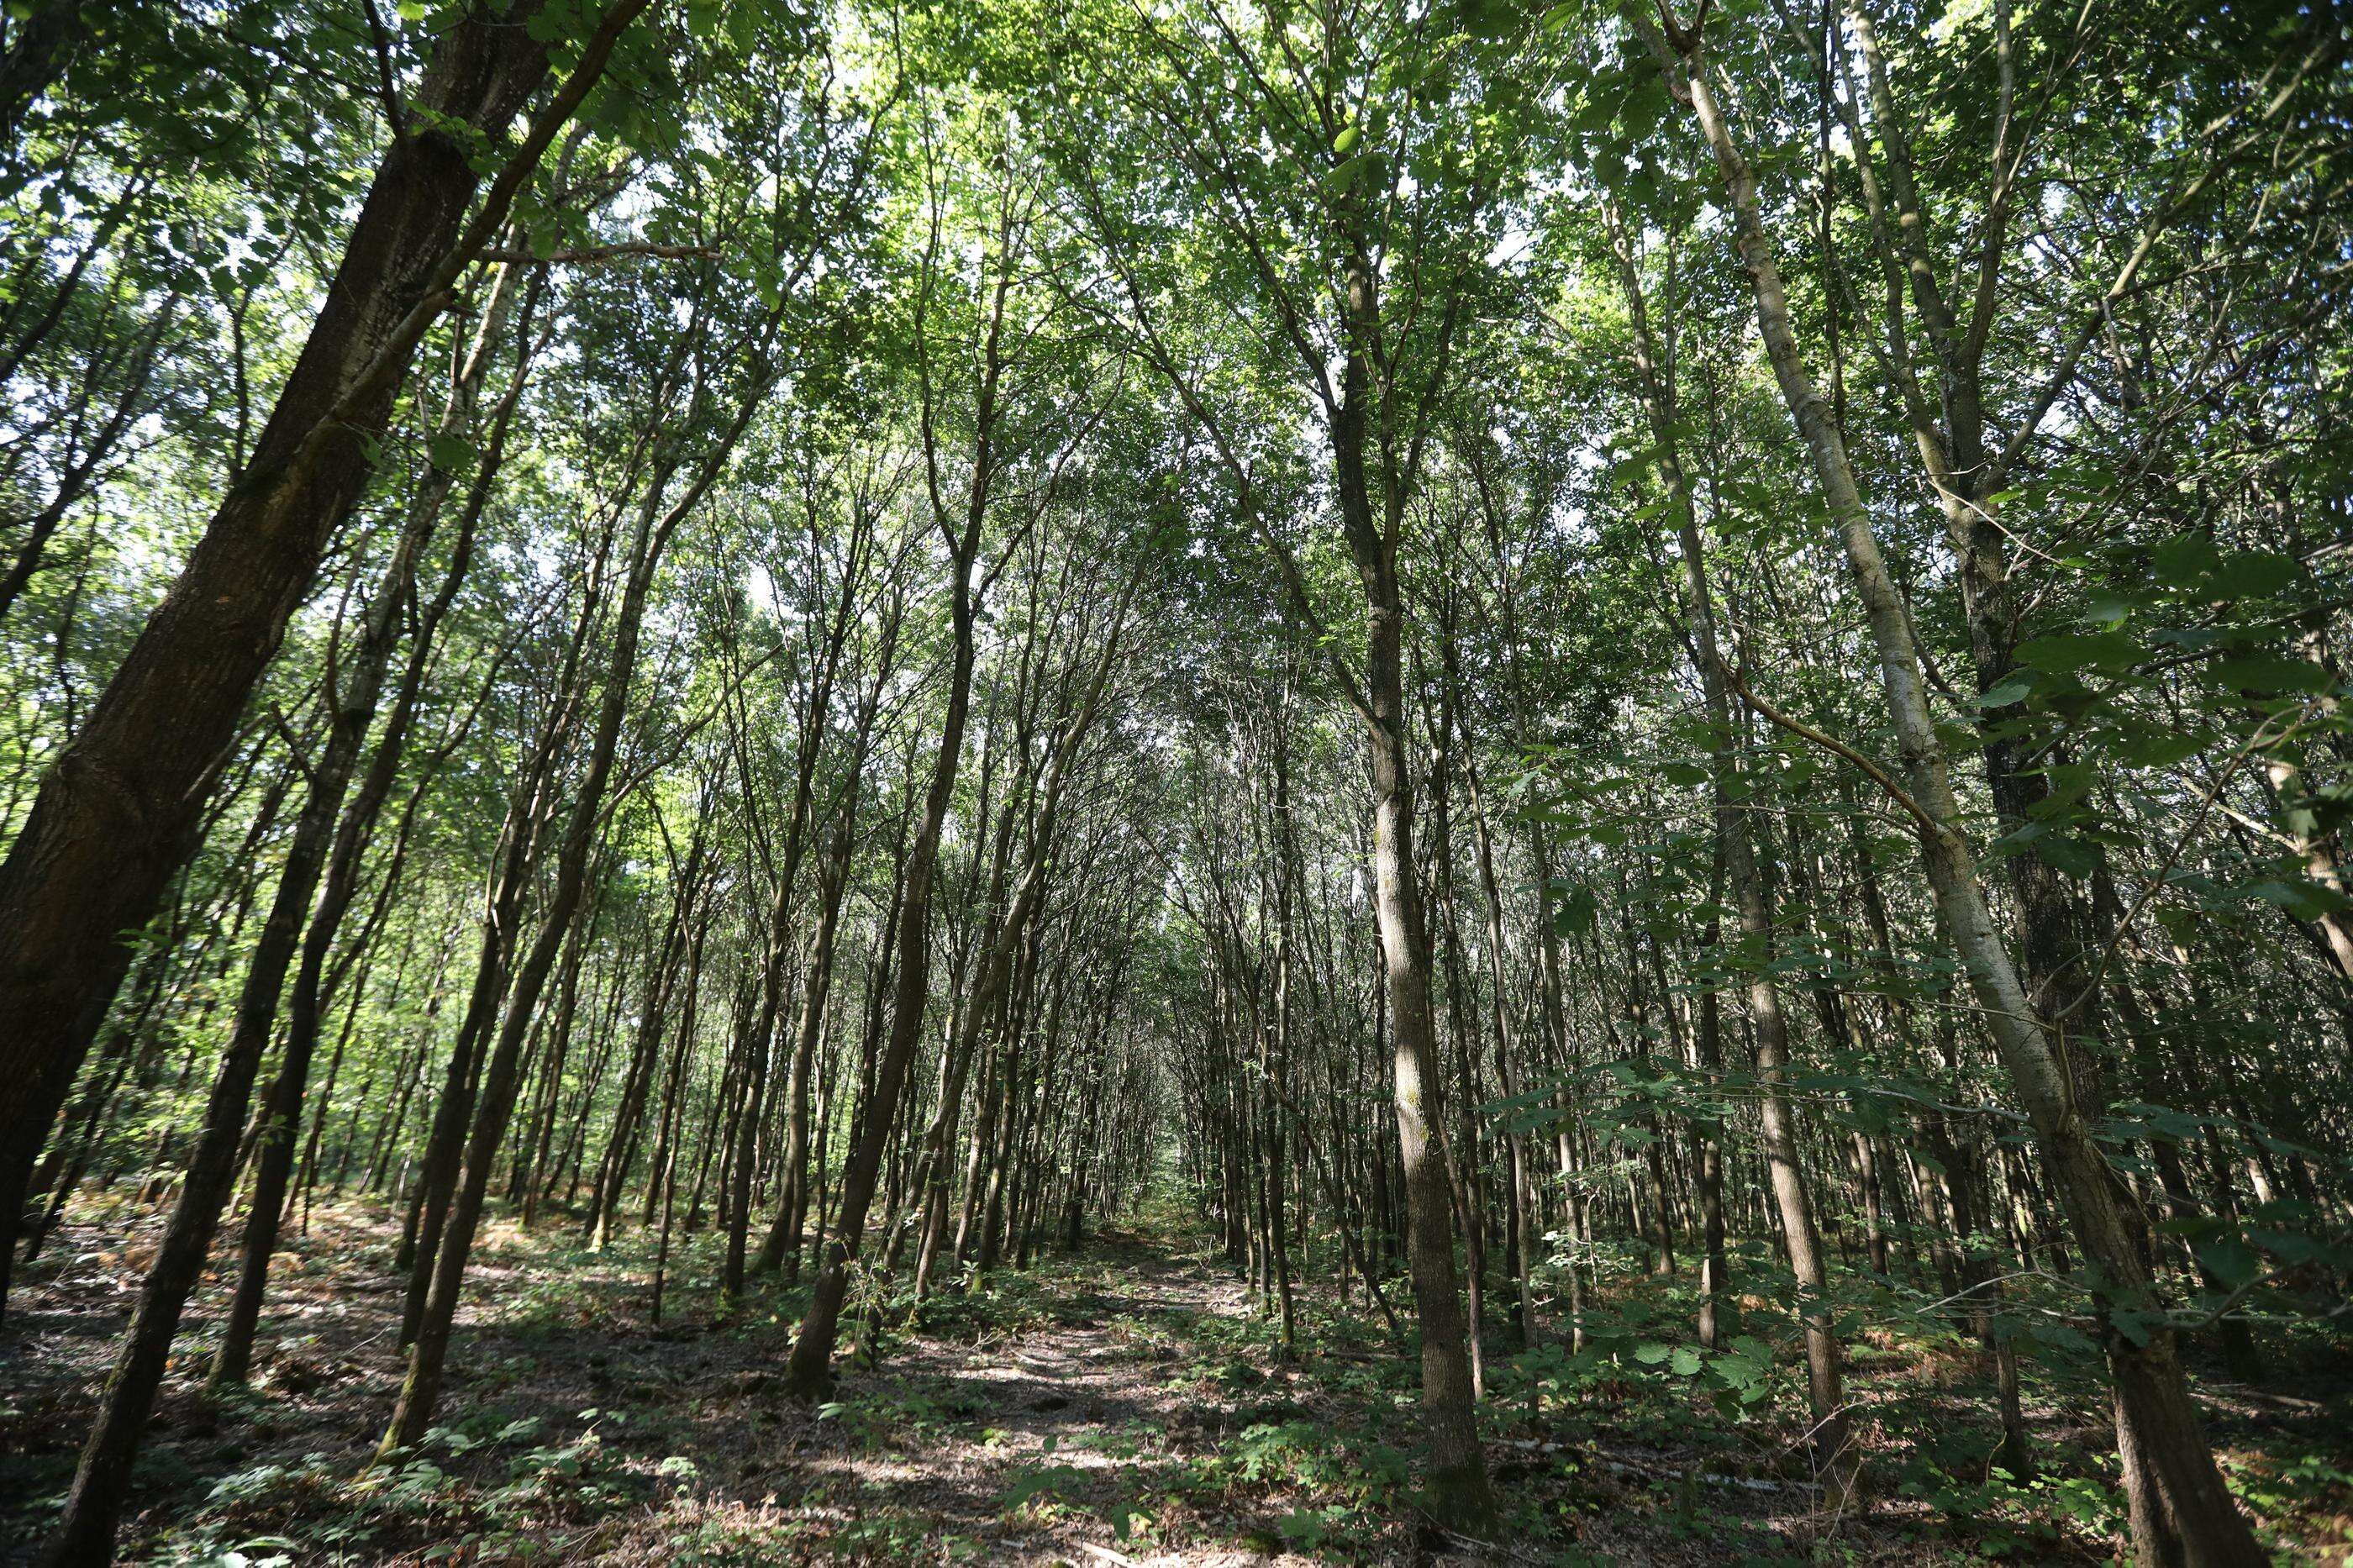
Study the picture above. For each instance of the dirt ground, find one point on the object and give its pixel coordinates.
(1121, 1405)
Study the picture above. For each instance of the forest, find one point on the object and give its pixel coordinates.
(1175, 782)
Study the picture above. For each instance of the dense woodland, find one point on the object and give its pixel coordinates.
(1568, 782)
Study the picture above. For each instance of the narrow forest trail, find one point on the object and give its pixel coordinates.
(1076, 1413)
(1085, 1410)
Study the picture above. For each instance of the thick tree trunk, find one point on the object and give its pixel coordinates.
(112, 818)
(321, 845)
(86, 1532)
(340, 882)
(1457, 1471)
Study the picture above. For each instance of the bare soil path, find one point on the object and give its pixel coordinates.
(1029, 1441)
(1073, 1413)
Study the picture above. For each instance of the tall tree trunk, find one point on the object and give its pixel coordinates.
(2182, 1514)
(1459, 1492)
(808, 1370)
(784, 1238)
(340, 883)
(429, 1349)
(112, 821)
(86, 1532)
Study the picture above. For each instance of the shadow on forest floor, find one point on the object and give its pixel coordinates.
(1124, 1403)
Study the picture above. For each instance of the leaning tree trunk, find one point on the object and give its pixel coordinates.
(114, 816)
(1832, 1438)
(808, 1370)
(282, 1109)
(86, 1532)
(2182, 1513)
(494, 1103)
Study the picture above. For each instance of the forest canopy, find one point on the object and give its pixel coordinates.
(1135, 779)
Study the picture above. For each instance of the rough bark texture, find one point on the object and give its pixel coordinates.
(281, 1113)
(86, 1533)
(115, 812)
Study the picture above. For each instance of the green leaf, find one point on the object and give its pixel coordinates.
(448, 453)
(2269, 672)
(2161, 749)
(2230, 1260)
(2256, 574)
(2182, 561)
(2304, 900)
(1346, 176)
(2068, 854)
(1574, 908)
(1685, 1361)
(2070, 651)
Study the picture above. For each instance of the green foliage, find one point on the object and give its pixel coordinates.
(2022, 1520)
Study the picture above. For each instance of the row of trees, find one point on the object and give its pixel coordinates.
(820, 623)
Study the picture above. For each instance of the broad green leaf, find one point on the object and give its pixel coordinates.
(2269, 673)
(2070, 651)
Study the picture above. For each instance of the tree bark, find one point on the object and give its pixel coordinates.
(112, 821)
(2182, 1514)
(1458, 1493)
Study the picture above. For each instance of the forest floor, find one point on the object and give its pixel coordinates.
(1121, 1405)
